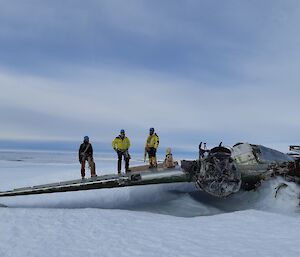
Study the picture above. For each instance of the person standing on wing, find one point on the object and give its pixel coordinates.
(151, 148)
(121, 145)
(85, 153)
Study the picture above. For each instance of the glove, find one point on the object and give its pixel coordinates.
(79, 161)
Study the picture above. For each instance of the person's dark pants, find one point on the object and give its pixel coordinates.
(152, 152)
(126, 159)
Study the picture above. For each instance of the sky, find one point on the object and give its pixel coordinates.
(194, 70)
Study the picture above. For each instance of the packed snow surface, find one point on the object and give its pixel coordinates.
(157, 220)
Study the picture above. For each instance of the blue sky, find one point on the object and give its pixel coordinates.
(195, 70)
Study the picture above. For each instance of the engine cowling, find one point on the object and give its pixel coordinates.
(215, 172)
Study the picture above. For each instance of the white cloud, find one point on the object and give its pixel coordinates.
(237, 69)
(107, 100)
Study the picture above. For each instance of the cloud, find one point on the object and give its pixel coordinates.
(192, 69)
(192, 38)
(101, 102)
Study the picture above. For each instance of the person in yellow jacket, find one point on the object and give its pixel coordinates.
(152, 143)
(121, 145)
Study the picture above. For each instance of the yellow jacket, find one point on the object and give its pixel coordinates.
(121, 144)
(152, 141)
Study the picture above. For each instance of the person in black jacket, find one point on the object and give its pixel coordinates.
(85, 153)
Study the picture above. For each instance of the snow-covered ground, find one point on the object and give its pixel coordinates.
(158, 220)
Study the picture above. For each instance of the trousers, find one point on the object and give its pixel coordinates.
(92, 166)
(126, 156)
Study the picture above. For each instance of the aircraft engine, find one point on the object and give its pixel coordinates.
(218, 174)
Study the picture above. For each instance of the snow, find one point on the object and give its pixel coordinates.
(157, 220)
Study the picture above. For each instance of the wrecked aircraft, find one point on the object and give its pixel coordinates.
(219, 171)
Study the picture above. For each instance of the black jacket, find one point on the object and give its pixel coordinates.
(85, 150)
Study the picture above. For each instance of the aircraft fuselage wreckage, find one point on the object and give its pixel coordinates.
(220, 171)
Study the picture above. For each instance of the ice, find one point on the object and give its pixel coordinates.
(156, 220)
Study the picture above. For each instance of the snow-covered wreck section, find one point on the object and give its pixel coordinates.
(257, 162)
